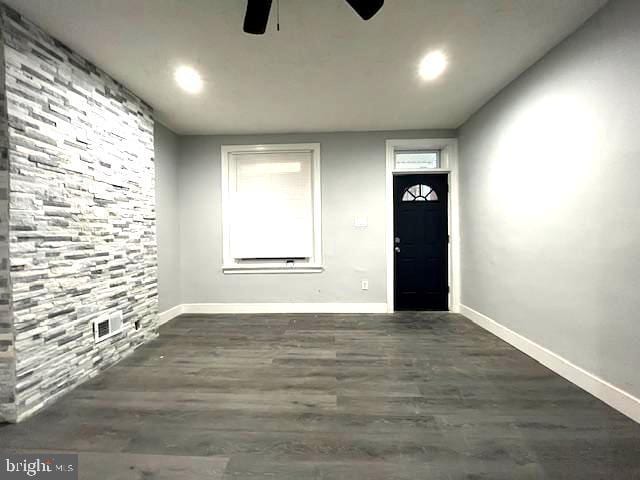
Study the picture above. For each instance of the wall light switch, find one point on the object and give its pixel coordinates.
(361, 222)
(365, 284)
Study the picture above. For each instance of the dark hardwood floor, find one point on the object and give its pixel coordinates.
(395, 397)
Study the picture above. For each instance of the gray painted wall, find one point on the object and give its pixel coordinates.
(549, 200)
(353, 184)
(168, 227)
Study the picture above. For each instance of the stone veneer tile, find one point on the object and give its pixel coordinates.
(77, 213)
(7, 351)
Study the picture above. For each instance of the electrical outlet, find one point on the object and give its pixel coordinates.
(365, 284)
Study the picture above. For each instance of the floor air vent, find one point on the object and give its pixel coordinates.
(107, 326)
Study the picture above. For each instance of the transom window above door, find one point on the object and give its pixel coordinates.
(271, 208)
(417, 159)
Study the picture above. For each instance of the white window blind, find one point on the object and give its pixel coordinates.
(271, 200)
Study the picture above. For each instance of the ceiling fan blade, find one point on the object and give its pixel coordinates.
(257, 16)
(366, 8)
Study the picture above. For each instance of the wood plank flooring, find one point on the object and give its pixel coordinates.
(290, 397)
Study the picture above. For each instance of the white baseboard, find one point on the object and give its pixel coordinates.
(615, 397)
(170, 314)
(211, 308)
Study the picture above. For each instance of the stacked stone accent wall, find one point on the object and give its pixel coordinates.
(82, 240)
(7, 352)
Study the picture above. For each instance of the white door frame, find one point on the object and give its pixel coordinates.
(449, 165)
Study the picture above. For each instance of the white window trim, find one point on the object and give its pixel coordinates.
(448, 164)
(315, 265)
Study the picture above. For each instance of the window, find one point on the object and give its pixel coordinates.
(420, 193)
(417, 159)
(271, 208)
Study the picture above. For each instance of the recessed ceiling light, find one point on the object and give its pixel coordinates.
(188, 79)
(433, 65)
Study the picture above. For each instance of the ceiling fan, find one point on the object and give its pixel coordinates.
(257, 16)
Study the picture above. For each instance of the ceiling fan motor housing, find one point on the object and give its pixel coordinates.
(257, 16)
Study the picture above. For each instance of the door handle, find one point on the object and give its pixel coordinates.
(397, 249)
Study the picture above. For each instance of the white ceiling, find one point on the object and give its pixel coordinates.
(326, 70)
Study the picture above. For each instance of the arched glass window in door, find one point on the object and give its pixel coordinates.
(420, 193)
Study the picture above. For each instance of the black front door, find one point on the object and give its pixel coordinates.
(421, 241)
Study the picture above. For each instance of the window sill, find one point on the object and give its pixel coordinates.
(253, 269)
